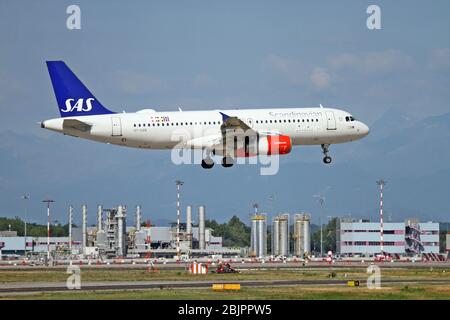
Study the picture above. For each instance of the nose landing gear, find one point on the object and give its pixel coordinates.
(327, 159)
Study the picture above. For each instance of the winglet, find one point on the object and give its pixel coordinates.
(321, 106)
(224, 116)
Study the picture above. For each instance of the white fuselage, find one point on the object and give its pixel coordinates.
(164, 130)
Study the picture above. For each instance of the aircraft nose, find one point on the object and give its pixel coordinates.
(363, 129)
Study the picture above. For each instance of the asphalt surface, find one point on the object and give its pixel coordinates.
(239, 265)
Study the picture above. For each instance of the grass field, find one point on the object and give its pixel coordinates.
(92, 274)
(388, 291)
(416, 292)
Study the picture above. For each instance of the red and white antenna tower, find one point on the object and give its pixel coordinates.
(178, 184)
(381, 183)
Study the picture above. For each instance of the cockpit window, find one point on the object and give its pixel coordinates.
(349, 118)
(352, 118)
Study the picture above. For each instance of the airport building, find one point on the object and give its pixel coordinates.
(363, 238)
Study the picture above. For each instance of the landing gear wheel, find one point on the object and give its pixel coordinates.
(327, 158)
(227, 162)
(207, 163)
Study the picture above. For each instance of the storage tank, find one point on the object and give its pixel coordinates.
(276, 236)
(258, 246)
(302, 234)
(284, 235)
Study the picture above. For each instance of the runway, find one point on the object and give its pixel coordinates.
(19, 288)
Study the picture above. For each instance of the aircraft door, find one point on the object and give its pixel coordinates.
(116, 126)
(331, 120)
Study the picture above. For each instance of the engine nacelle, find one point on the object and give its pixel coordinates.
(263, 145)
(269, 145)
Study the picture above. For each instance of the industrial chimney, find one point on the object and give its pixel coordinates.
(189, 225)
(201, 228)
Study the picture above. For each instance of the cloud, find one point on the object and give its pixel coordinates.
(372, 63)
(320, 78)
(440, 59)
(297, 73)
(289, 69)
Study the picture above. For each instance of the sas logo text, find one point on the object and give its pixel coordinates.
(79, 106)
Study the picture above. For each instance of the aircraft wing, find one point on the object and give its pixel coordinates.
(77, 125)
(232, 123)
(207, 142)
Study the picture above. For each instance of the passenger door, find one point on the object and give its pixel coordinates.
(331, 120)
(116, 126)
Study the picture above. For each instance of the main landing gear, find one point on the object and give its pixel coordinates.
(208, 162)
(327, 159)
(227, 162)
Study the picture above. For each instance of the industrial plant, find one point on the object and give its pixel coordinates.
(122, 233)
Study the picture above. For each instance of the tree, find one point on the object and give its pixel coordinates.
(33, 229)
(234, 233)
(329, 237)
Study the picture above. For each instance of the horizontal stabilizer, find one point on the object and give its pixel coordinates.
(77, 125)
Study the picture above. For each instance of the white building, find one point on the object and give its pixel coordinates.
(362, 237)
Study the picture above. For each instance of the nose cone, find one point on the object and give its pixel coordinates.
(363, 129)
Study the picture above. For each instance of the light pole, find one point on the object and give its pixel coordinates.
(321, 201)
(25, 197)
(48, 201)
(178, 183)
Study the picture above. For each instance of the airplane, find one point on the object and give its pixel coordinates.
(227, 133)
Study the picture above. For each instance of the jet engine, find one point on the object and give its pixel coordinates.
(262, 145)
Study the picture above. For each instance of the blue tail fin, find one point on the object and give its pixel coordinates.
(73, 98)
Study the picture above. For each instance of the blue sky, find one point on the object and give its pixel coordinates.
(222, 54)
